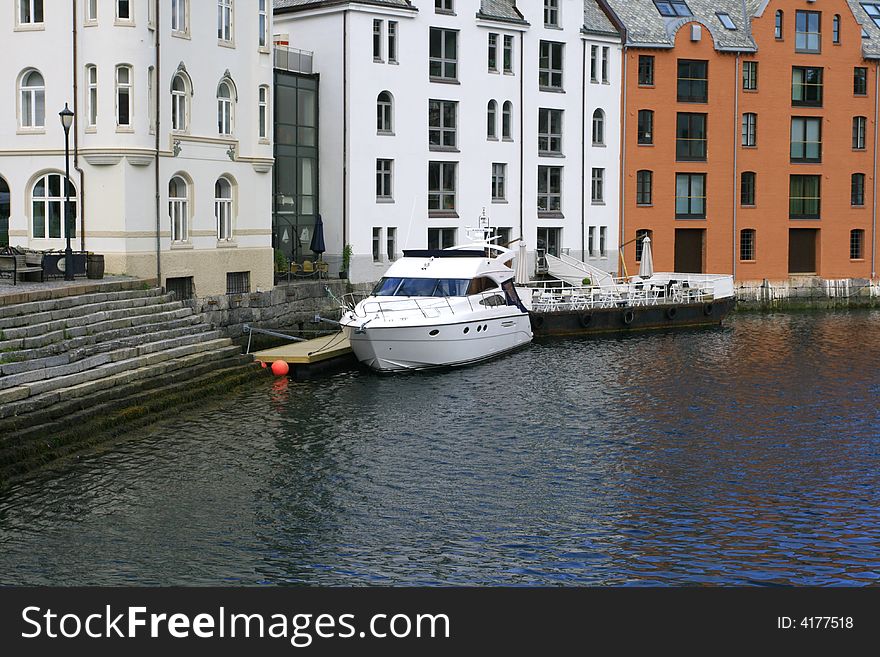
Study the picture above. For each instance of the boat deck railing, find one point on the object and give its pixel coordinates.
(560, 297)
(428, 307)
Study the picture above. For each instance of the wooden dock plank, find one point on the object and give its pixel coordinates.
(306, 353)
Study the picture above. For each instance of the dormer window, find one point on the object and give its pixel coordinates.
(672, 8)
(726, 20)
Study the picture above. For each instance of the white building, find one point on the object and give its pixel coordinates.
(171, 146)
(433, 110)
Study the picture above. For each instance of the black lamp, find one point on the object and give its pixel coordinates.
(66, 122)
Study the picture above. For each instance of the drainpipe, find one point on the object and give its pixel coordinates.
(584, 149)
(156, 92)
(344, 128)
(76, 166)
(735, 154)
(521, 131)
(874, 192)
(623, 112)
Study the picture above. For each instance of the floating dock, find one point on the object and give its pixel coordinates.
(311, 357)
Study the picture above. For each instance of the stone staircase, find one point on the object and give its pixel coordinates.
(75, 367)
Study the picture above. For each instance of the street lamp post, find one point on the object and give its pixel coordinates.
(66, 122)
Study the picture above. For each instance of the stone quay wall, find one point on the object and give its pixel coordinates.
(807, 293)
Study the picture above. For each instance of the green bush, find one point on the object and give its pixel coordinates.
(281, 262)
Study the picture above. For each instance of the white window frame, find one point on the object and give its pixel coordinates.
(223, 208)
(27, 11)
(507, 54)
(378, 34)
(127, 89)
(263, 24)
(552, 198)
(507, 121)
(546, 133)
(91, 10)
(119, 19)
(499, 182)
(391, 242)
(180, 17)
(263, 113)
(178, 211)
(598, 127)
(91, 97)
(384, 180)
(385, 114)
(551, 13)
(46, 200)
(33, 121)
(225, 109)
(226, 22)
(443, 193)
(597, 188)
(392, 42)
(180, 103)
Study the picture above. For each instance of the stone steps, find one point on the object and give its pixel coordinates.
(60, 303)
(49, 311)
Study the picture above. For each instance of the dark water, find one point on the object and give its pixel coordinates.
(743, 455)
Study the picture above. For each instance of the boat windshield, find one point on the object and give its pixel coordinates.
(421, 287)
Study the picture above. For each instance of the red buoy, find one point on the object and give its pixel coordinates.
(280, 368)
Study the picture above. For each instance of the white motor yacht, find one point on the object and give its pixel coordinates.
(440, 308)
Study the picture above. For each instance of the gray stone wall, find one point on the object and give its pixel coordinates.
(288, 307)
(807, 292)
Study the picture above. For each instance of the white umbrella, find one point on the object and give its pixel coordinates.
(522, 267)
(646, 268)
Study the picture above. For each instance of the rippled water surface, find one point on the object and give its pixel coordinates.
(743, 455)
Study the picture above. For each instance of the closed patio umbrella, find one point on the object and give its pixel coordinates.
(317, 243)
(522, 268)
(646, 268)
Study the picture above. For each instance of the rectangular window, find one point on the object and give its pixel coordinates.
(392, 42)
(858, 132)
(441, 187)
(549, 240)
(263, 24)
(391, 243)
(549, 131)
(377, 244)
(224, 20)
(860, 81)
(238, 282)
(442, 124)
(550, 65)
(646, 70)
(747, 245)
(30, 12)
(549, 189)
(671, 8)
(873, 10)
(493, 52)
(806, 139)
(747, 188)
(384, 190)
(179, 16)
(807, 31)
(443, 55)
(646, 127)
(693, 81)
(591, 239)
(856, 244)
(803, 197)
(441, 238)
(857, 191)
(594, 63)
(92, 11)
(726, 21)
(508, 53)
(750, 129)
(806, 86)
(644, 187)
(123, 10)
(263, 113)
(750, 76)
(92, 95)
(690, 137)
(499, 177)
(123, 96)
(551, 13)
(641, 234)
(690, 196)
(598, 186)
(605, 64)
(444, 6)
(377, 40)
(603, 240)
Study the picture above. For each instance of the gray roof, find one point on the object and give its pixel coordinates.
(282, 6)
(646, 27)
(871, 45)
(596, 21)
(502, 10)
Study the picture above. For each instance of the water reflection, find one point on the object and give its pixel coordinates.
(745, 455)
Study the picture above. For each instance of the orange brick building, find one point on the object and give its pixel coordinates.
(750, 140)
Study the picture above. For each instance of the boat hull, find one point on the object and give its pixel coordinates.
(630, 318)
(402, 348)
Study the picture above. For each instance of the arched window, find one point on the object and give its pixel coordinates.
(223, 209)
(47, 203)
(33, 100)
(4, 212)
(384, 113)
(224, 108)
(92, 95)
(835, 29)
(178, 209)
(506, 119)
(263, 113)
(598, 127)
(123, 96)
(491, 120)
(180, 94)
(779, 18)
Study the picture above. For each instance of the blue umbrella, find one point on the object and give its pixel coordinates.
(317, 244)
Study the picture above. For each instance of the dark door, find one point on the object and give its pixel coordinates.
(802, 250)
(4, 213)
(689, 249)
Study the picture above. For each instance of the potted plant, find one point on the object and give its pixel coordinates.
(346, 260)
